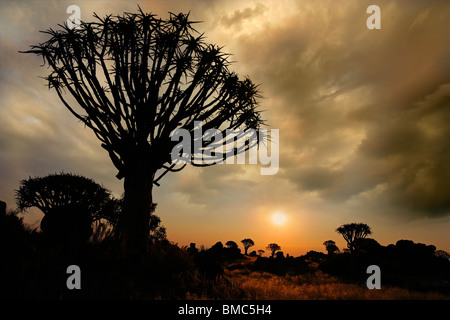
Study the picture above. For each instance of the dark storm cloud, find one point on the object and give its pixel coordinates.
(422, 175)
(364, 110)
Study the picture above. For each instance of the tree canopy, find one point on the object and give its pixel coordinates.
(134, 80)
(67, 189)
(231, 244)
(273, 247)
(247, 244)
(70, 203)
(352, 232)
(331, 247)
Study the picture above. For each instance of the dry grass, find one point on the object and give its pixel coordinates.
(244, 284)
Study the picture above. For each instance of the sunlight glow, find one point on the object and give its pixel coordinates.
(279, 218)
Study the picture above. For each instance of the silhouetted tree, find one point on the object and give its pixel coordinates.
(192, 249)
(260, 252)
(70, 203)
(331, 247)
(352, 232)
(12, 229)
(217, 246)
(55, 190)
(157, 231)
(314, 256)
(231, 245)
(442, 254)
(15, 240)
(247, 244)
(273, 247)
(135, 79)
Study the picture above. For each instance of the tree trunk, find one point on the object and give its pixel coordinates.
(133, 226)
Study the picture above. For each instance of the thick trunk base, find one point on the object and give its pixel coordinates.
(133, 226)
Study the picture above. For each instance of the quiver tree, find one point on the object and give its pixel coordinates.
(247, 244)
(273, 247)
(352, 232)
(231, 245)
(137, 78)
(70, 203)
(331, 247)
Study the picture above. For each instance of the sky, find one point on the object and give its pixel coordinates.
(363, 118)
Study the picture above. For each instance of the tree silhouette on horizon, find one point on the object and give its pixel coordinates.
(352, 232)
(273, 247)
(135, 79)
(231, 244)
(247, 244)
(331, 247)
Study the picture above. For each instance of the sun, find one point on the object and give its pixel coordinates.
(278, 218)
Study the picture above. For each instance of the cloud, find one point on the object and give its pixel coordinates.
(38, 136)
(237, 18)
(360, 110)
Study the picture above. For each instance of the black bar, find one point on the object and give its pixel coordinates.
(242, 309)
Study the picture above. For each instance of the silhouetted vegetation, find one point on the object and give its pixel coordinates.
(281, 265)
(34, 267)
(406, 264)
(232, 245)
(247, 244)
(135, 79)
(352, 232)
(331, 247)
(273, 247)
(70, 203)
(76, 208)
